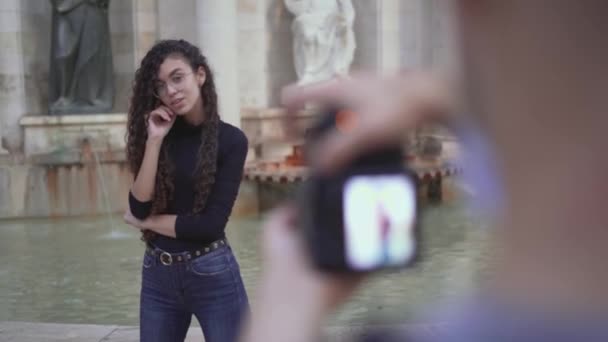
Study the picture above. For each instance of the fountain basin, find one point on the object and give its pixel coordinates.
(66, 157)
(277, 180)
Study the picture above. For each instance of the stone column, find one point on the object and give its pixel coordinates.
(426, 33)
(442, 33)
(389, 39)
(12, 83)
(217, 28)
(253, 51)
(144, 27)
(394, 34)
(3, 151)
(412, 29)
(378, 35)
(171, 11)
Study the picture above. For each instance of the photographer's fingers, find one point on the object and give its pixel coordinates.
(338, 149)
(286, 258)
(280, 239)
(336, 91)
(296, 96)
(385, 111)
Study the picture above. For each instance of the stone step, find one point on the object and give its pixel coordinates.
(52, 332)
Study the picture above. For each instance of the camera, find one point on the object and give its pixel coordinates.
(364, 217)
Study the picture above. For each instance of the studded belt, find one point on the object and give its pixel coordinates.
(168, 259)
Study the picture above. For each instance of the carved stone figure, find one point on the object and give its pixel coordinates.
(324, 41)
(81, 71)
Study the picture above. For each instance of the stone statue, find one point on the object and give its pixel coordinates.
(324, 41)
(81, 76)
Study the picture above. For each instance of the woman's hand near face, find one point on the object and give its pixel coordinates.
(160, 122)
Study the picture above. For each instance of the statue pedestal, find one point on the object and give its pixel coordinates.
(75, 164)
(45, 135)
(266, 133)
(5, 156)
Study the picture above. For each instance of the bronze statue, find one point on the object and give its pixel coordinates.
(81, 77)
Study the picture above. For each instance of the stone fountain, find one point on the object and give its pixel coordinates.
(75, 166)
(278, 166)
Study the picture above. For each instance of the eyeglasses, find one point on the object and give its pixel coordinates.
(176, 81)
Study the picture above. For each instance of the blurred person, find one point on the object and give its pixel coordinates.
(188, 166)
(533, 76)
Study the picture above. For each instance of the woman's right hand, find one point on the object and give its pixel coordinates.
(160, 122)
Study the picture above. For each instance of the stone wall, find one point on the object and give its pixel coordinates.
(394, 34)
(389, 33)
(80, 188)
(145, 23)
(177, 20)
(252, 47)
(55, 179)
(425, 33)
(366, 33)
(25, 28)
(266, 132)
(123, 51)
(35, 34)
(76, 165)
(265, 49)
(12, 82)
(377, 35)
(53, 136)
(279, 64)
(62, 190)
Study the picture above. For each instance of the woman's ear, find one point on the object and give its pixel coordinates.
(201, 76)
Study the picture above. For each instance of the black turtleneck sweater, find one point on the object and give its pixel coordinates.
(192, 231)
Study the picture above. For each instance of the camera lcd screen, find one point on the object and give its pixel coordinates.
(379, 213)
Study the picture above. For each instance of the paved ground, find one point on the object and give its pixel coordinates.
(45, 332)
(48, 332)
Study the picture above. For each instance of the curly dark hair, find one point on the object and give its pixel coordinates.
(143, 102)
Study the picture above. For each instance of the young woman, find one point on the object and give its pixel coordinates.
(188, 166)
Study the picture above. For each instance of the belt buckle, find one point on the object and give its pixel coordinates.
(166, 259)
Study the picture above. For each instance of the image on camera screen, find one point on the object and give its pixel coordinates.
(379, 216)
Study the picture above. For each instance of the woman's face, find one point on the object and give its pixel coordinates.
(177, 85)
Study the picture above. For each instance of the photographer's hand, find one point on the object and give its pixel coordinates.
(292, 294)
(386, 109)
(293, 297)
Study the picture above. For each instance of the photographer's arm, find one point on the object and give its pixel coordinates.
(386, 110)
(293, 297)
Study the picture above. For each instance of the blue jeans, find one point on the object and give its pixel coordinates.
(209, 286)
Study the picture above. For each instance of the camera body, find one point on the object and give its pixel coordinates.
(364, 217)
